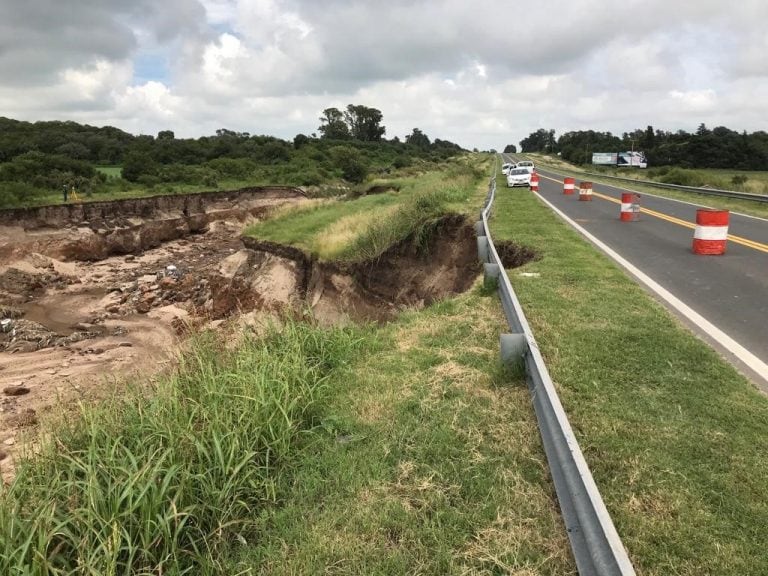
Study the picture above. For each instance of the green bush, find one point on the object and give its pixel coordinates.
(13, 194)
(657, 172)
(682, 177)
(739, 180)
(351, 163)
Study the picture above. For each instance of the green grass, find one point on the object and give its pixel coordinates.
(362, 227)
(111, 171)
(673, 434)
(429, 462)
(167, 479)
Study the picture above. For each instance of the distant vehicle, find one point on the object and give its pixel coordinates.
(519, 177)
(526, 164)
(506, 167)
(633, 159)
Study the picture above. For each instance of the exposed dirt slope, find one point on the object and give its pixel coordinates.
(75, 317)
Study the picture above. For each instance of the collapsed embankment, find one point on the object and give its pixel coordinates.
(95, 230)
(408, 274)
(84, 302)
(91, 214)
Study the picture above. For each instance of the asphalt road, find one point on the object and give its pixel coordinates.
(728, 291)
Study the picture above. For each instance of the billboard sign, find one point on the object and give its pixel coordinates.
(605, 158)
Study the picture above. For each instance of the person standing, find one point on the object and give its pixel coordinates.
(65, 189)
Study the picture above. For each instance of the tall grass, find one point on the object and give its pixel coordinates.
(414, 217)
(165, 480)
(373, 223)
(417, 214)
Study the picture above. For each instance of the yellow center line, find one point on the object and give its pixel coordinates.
(732, 237)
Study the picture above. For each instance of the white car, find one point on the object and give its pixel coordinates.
(505, 168)
(526, 164)
(518, 177)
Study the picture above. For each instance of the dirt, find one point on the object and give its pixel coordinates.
(83, 308)
(513, 255)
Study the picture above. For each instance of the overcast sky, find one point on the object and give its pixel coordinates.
(483, 74)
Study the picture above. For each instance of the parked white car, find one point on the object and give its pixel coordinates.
(518, 177)
(505, 168)
(526, 164)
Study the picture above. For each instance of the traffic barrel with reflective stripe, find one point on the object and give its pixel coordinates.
(585, 191)
(711, 232)
(534, 182)
(630, 207)
(568, 185)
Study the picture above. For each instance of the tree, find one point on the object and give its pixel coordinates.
(418, 139)
(510, 149)
(540, 141)
(332, 125)
(364, 123)
(138, 164)
(351, 163)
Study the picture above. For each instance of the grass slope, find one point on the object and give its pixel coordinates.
(363, 227)
(429, 462)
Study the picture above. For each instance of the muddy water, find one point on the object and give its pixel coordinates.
(61, 313)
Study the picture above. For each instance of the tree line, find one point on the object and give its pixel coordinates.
(719, 147)
(44, 156)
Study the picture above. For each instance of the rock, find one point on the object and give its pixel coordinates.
(27, 417)
(130, 258)
(9, 441)
(15, 390)
(125, 345)
(143, 307)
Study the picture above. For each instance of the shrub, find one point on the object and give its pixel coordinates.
(739, 180)
(351, 163)
(682, 177)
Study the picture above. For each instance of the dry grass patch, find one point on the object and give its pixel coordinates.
(335, 238)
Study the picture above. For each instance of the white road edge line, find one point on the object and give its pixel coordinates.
(750, 360)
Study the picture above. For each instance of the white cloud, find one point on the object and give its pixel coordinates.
(476, 73)
(96, 81)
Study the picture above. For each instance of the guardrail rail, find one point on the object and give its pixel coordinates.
(698, 190)
(595, 543)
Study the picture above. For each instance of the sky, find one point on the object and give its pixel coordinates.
(482, 74)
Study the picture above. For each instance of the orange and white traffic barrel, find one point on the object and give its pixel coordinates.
(585, 191)
(534, 182)
(711, 232)
(569, 184)
(630, 207)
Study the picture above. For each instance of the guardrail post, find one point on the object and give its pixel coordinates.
(513, 348)
(490, 274)
(482, 248)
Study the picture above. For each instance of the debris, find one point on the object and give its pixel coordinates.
(15, 390)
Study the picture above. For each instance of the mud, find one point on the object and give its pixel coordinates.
(84, 307)
(513, 255)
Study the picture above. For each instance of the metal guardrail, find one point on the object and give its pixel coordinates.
(596, 545)
(710, 191)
